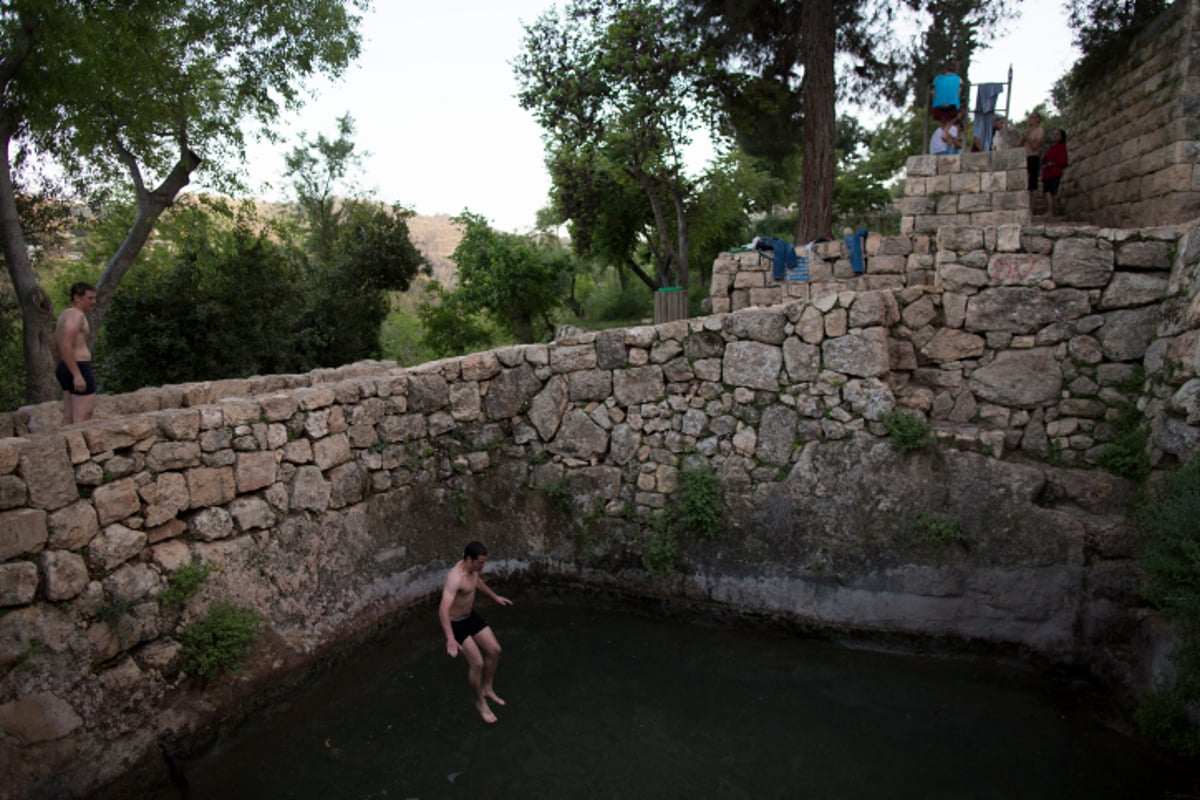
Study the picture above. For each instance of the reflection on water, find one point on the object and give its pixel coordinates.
(609, 704)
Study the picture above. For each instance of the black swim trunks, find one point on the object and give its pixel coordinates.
(1050, 185)
(1032, 166)
(67, 381)
(466, 626)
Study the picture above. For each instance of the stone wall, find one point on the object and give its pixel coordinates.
(1135, 153)
(968, 189)
(329, 501)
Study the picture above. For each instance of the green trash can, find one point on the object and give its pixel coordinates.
(670, 304)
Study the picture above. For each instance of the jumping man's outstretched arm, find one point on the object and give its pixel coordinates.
(504, 601)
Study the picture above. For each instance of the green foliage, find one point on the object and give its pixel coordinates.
(128, 99)
(1169, 521)
(1126, 455)
(220, 642)
(562, 497)
(112, 609)
(12, 355)
(221, 304)
(185, 582)
(517, 280)
(939, 531)
(450, 327)
(619, 89)
(908, 430)
(700, 505)
(661, 547)
(1162, 717)
(402, 338)
(1104, 31)
(611, 302)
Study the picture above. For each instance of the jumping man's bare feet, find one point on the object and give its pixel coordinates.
(485, 712)
(490, 694)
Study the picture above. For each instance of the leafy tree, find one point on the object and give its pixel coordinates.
(221, 301)
(451, 328)
(1103, 32)
(618, 87)
(131, 97)
(515, 279)
(354, 251)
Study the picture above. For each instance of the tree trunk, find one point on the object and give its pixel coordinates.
(150, 206)
(820, 94)
(37, 313)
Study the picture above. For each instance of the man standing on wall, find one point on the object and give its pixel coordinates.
(1032, 140)
(69, 349)
(467, 631)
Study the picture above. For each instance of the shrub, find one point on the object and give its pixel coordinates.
(184, 583)
(908, 430)
(661, 547)
(1126, 454)
(220, 642)
(939, 530)
(700, 502)
(1169, 521)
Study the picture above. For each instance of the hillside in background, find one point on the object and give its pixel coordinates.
(436, 237)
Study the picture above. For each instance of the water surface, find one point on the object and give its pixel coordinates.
(607, 703)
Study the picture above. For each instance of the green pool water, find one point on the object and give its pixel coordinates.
(609, 703)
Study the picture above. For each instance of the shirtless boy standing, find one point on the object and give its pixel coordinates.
(69, 347)
(1032, 139)
(465, 630)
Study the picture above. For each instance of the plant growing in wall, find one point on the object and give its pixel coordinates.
(185, 582)
(700, 505)
(1126, 453)
(939, 531)
(1169, 521)
(908, 430)
(220, 642)
(661, 547)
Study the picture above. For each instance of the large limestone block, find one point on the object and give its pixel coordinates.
(579, 437)
(1021, 269)
(116, 501)
(465, 403)
(64, 574)
(1019, 309)
(115, 545)
(548, 406)
(164, 456)
(569, 358)
(638, 385)
(1082, 262)
(510, 391)
(1127, 333)
(752, 364)
(428, 392)
(863, 354)
(757, 324)
(330, 451)
(41, 717)
(310, 490)
(1019, 378)
(22, 532)
(49, 476)
(776, 435)
(211, 486)
(1128, 289)
(951, 344)
(18, 583)
(74, 526)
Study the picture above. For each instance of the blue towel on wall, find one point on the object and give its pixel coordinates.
(784, 254)
(854, 243)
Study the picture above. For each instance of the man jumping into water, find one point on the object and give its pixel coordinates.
(465, 630)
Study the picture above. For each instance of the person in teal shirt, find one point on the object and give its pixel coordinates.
(946, 90)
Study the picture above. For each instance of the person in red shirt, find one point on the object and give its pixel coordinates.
(1052, 167)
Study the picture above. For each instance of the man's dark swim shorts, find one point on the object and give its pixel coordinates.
(67, 381)
(466, 626)
(1032, 164)
(1050, 185)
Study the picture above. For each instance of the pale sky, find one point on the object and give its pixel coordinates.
(433, 99)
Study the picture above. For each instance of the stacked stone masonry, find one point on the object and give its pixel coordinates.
(1134, 139)
(1020, 343)
(969, 189)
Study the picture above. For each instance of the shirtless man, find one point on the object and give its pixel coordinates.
(69, 347)
(465, 630)
(1032, 139)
